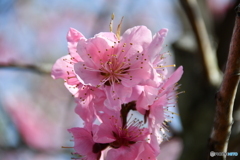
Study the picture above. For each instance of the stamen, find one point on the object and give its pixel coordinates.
(171, 112)
(111, 23)
(71, 77)
(159, 66)
(66, 147)
(118, 34)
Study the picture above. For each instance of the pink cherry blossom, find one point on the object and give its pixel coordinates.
(109, 76)
(129, 140)
(115, 65)
(156, 108)
(64, 68)
(108, 61)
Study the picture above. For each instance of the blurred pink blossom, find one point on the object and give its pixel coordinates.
(34, 126)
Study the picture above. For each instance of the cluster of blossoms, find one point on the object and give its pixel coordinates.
(111, 76)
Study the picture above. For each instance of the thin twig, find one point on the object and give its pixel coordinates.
(30, 67)
(225, 97)
(208, 55)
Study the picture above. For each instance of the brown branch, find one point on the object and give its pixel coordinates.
(225, 97)
(30, 67)
(207, 53)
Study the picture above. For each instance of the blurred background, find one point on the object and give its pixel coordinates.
(36, 111)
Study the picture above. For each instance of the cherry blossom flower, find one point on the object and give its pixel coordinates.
(155, 106)
(108, 61)
(166, 97)
(84, 145)
(109, 75)
(129, 140)
(114, 65)
(64, 68)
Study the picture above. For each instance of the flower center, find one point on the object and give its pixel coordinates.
(113, 71)
(120, 141)
(129, 134)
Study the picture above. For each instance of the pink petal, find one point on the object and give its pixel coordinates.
(116, 95)
(86, 113)
(133, 43)
(156, 79)
(110, 36)
(156, 45)
(154, 141)
(139, 35)
(175, 77)
(141, 72)
(123, 153)
(147, 97)
(83, 142)
(59, 69)
(73, 89)
(136, 92)
(63, 69)
(85, 76)
(95, 49)
(145, 151)
(103, 134)
(157, 111)
(111, 122)
(73, 36)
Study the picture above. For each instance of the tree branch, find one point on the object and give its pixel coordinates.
(33, 68)
(208, 56)
(225, 97)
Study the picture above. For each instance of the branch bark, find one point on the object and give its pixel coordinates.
(207, 53)
(30, 67)
(225, 97)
